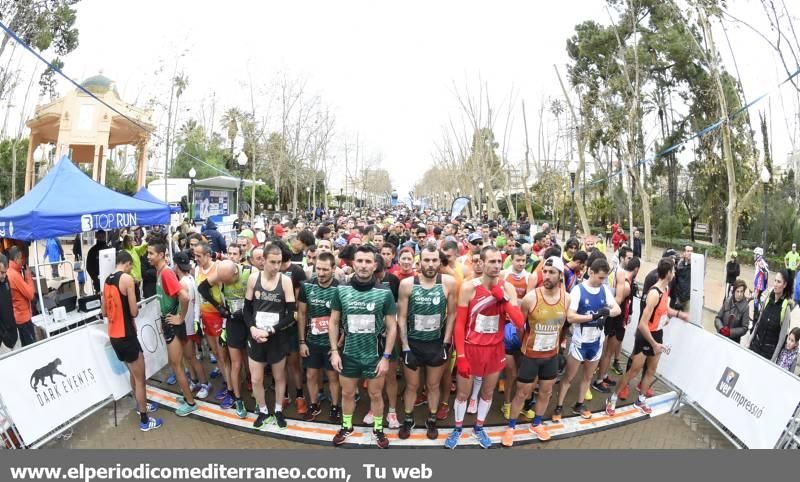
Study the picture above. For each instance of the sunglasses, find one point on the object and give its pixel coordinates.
(476, 243)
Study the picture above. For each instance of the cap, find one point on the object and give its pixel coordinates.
(246, 234)
(279, 232)
(669, 252)
(734, 254)
(352, 237)
(555, 262)
(259, 224)
(758, 252)
(474, 237)
(182, 261)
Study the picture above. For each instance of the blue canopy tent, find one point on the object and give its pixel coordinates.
(145, 195)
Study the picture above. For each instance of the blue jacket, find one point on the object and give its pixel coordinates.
(215, 240)
(54, 252)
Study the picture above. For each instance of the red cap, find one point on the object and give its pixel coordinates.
(352, 237)
(279, 230)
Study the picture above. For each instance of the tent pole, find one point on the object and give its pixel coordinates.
(42, 308)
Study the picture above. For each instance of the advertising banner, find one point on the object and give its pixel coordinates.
(50, 383)
(697, 289)
(209, 203)
(458, 206)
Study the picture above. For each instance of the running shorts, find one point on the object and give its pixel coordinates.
(615, 327)
(586, 351)
(318, 357)
(237, 331)
(212, 325)
(485, 359)
(640, 344)
(428, 353)
(542, 368)
(127, 349)
(172, 331)
(359, 368)
(272, 351)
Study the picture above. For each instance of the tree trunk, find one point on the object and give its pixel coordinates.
(527, 170)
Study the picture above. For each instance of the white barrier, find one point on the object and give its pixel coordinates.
(751, 396)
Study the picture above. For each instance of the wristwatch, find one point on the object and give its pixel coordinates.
(386, 356)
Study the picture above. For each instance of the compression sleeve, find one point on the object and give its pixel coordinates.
(514, 314)
(205, 291)
(460, 330)
(249, 315)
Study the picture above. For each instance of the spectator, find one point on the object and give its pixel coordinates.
(618, 238)
(732, 271)
(93, 260)
(55, 254)
(787, 358)
(637, 244)
(8, 327)
(22, 293)
(733, 318)
(681, 289)
(136, 253)
(790, 262)
(773, 323)
(215, 239)
(760, 281)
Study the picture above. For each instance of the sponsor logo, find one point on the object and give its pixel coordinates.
(328, 304)
(727, 387)
(435, 300)
(50, 383)
(370, 306)
(107, 221)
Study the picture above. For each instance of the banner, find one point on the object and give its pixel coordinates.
(697, 289)
(458, 206)
(151, 337)
(209, 203)
(50, 383)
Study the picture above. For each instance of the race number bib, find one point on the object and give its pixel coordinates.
(591, 334)
(361, 324)
(267, 321)
(319, 325)
(236, 305)
(545, 341)
(487, 324)
(427, 322)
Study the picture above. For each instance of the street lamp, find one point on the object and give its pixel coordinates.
(308, 195)
(480, 201)
(765, 180)
(241, 159)
(190, 207)
(563, 210)
(572, 169)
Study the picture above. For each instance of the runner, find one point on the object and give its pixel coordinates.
(574, 270)
(314, 311)
(174, 303)
(519, 279)
(478, 336)
(268, 307)
(235, 333)
(183, 269)
(120, 308)
(364, 311)
(426, 312)
(589, 306)
(649, 336)
(545, 310)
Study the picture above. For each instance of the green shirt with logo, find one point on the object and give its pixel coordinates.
(362, 319)
(319, 301)
(427, 310)
(792, 259)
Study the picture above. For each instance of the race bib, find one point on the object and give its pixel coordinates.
(487, 324)
(236, 305)
(590, 334)
(267, 321)
(319, 325)
(361, 324)
(545, 341)
(427, 322)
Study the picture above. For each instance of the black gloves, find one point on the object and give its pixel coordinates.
(601, 313)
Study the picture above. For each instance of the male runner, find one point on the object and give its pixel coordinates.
(483, 305)
(589, 305)
(426, 312)
(649, 337)
(119, 306)
(183, 270)
(574, 270)
(364, 311)
(268, 307)
(545, 309)
(174, 303)
(235, 334)
(314, 312)
(517, 277)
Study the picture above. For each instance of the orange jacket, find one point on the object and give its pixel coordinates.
(21, 293)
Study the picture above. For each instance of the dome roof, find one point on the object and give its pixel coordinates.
(100, 84)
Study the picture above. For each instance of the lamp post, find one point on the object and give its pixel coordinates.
(765, 180)
(572, 207)
(446, 197)
(192, 175)
(241, 159)
(308, 195)
(480, 201)
(563, 211)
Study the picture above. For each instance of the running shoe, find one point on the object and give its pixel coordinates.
(501, 386)
(557, 412)
(203, 391)
(151, 407)
(212, 359)
(601, 386)
(528, 413)
(313, 411)
(422, 399)
(241, 410)
(261, 420)
(609, 382)
(368, 418)
(405, 429)
(286, 402)
(452, 439)
(279, 420)
(473, 406)
(336, 414)
(649, 393)
(171, 379)
(623, 394)
(508, 438)
(506, 410)
(222, 393)
(391, 420)
(482, 437)
(643, 407)
(380, 439)
(431, 430)
(185, 409)
(342, 435)
(540, 431)
(588, 396)
(215, 373)
(300, 405)
(151, 424)
(444, 410)
(180, 399)
(615, 367)
(611, 408)
(226, 402)
(358, 396)
(582, 410)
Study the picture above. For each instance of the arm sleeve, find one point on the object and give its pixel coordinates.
(170, 283)
(205, 291)
(514, 314)
(460, 330)
(249, 314)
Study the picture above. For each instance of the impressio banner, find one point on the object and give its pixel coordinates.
(458, 206)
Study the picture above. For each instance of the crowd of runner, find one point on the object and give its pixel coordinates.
(334, 308)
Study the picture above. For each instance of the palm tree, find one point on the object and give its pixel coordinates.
(230, 122)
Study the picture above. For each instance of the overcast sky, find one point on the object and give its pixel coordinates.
(387, 69)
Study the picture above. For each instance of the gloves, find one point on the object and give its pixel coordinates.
(462, 367)
(223, 312)
(601, 313)
(410, 360)
(224, 336)
(725, 331)
(446, 349)
(499, 293)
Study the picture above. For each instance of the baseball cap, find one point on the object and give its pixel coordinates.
(246, 234)
(669, 252)
(474, 237)
(555, 262)
(181, 260)
(758, 252)
(279, 231)
(734, 254)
